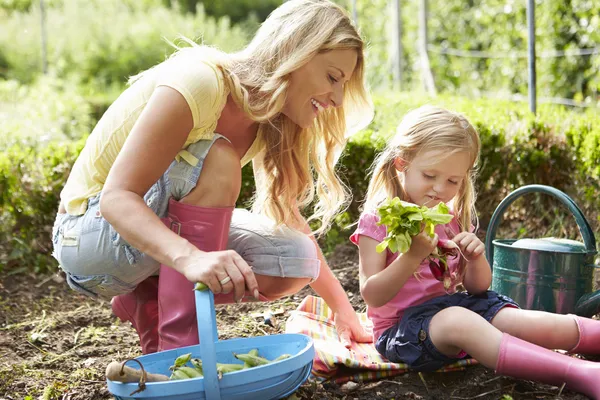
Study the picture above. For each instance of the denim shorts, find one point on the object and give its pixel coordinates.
(99, 262)
(408, 341)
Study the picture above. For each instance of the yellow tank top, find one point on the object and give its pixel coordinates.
(198, 80)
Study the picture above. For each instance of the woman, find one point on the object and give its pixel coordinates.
(171, 147)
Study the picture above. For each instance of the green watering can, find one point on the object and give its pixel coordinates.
(548, 274)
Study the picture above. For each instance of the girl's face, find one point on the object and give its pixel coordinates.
(318, 85)
(434, 177)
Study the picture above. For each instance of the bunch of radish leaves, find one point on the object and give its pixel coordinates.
(405, 220)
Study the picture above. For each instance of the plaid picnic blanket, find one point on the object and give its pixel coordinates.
(335, 362)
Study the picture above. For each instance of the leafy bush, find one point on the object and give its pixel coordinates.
(236, 10)
(50, 110)
(41, 131)
(30, 183)
(103, 42)
(558, 148)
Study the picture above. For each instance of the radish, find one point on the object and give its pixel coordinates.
(447, 282)
(438, 262)
(436, 269)
(447, 244)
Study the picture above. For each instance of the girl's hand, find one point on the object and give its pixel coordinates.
(470, 245)
(349, 328)
(422, 245)
(215, 267)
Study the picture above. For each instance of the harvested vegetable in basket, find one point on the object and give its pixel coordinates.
(250, 359)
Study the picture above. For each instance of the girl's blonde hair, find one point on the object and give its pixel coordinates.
(258, 78)
(425, 129)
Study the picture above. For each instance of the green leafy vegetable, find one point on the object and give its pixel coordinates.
(405, 220)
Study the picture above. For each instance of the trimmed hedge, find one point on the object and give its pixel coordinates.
(558, 147)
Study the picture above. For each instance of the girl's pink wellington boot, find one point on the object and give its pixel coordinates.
(140, 307)
(207, 229)
(589, 336)
(524, 360)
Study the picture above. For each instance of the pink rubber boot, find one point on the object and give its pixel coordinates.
(589, 336)
(140, 307)
(524, 360)
(207, 229)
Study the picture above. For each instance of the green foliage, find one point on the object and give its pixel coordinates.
(558, 147)
(15, 5)
(375, 26)
(497, 27)
(500, 27)
(102, 42)
(405, 220)
(41, 131)
(30, 182)
(49, 110)
(237, 10)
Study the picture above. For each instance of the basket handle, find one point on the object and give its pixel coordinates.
(584, 226)
(208, 336)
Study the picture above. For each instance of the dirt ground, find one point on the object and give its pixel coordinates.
(55, 344)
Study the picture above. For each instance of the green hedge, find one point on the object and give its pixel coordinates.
(42, 129)
(559, 147)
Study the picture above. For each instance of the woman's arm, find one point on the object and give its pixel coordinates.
(329, 288)
(326, 285)
(157, 136)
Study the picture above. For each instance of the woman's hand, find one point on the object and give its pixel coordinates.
(221, 271)
(470, 245)
(349, 328)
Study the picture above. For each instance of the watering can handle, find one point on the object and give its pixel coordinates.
(584, 227)
(208, 336)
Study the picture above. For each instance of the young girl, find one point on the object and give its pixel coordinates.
(432, 159)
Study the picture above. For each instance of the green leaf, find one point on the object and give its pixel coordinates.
(383, 245)
(405, 220)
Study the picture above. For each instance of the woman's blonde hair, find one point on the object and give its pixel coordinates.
(258, 78)
(425, 129)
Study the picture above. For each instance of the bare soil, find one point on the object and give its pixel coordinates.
(55, 344)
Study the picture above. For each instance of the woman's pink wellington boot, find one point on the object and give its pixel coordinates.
(524, 360)
(589, 336)
(207, 229)
(140, 307)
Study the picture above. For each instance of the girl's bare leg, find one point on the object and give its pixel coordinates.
(456, 328)
(552, 331)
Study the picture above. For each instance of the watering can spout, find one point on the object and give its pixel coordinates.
(588, 305)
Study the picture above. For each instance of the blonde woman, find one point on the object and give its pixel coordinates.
(149, 206)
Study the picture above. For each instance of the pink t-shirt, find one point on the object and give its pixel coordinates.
(415, 291)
